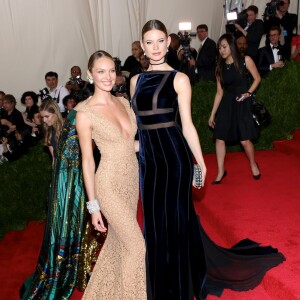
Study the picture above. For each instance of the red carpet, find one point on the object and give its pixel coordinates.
(266, 211)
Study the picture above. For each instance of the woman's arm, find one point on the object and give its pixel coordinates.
(26, 121)
(84, 130)
(251, 67)
(294, 51)
(217, 101)
(183, 88)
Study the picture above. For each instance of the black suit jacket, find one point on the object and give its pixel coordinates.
(289, 23)
(206, 60)
(254, 33)
(265, 58)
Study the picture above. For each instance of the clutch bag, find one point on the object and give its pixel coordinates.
(197, 178)
(260, 114)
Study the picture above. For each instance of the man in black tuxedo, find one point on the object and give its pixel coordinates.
(253, 31)
(286, 21)
(271, 56)
(207, 55)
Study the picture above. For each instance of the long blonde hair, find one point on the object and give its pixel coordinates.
(52, 107)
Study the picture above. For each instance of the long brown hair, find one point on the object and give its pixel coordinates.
(52, 107)
(234, 53)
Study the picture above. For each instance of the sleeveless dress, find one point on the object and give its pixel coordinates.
(234, 121)
(69, 246)
(120, 269)
(182, 262)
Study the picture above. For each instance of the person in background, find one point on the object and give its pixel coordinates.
(37, 131)
(18, 147)
(172, 56)
(286, 21)
(120, 87)
(69, 103)
(132, 61)
(295, 48)
(253, 31)
(271, 56)
(70, 245)
(231, 116)
(241, 43)
(56, 92)
(76, 84)
(12, 118)
(207, 55)
(30, 100)
(120, 269)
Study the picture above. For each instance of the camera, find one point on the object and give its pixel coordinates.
(185, 40)
(185, 36)
(120, 88)
(76, 80)
(44, 94)
(235, 18)
(270, 10)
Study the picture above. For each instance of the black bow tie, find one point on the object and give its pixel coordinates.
(275, 47)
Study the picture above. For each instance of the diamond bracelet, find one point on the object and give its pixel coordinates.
(93, 206)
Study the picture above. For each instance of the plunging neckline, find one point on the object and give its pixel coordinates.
(113, 124)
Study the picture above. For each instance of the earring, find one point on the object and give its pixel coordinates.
(90, 80)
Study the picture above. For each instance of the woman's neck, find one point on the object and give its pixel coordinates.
(103, 97)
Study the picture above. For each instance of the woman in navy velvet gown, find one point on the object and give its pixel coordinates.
(182, 262)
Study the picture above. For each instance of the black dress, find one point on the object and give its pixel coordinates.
(234, 121)
(182, 262)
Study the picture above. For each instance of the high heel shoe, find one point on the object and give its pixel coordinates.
(257, 177)
(219, 181)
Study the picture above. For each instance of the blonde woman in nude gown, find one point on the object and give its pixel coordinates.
(120, 269)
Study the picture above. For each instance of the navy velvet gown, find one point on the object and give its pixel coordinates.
(182, 262)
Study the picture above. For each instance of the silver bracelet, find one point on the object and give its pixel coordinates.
(93, 206)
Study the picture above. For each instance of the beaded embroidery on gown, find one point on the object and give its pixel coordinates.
(182, 261)
(120, 269)
(69, 245)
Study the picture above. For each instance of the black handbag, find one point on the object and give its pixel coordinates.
(260, 114)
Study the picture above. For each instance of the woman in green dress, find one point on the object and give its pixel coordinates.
(69, 245)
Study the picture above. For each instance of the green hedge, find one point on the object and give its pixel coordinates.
(23, 190)
(24, 184)
(280, 92)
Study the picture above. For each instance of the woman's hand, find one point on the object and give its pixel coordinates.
(97, 222)
(203, 174)
(211, 121)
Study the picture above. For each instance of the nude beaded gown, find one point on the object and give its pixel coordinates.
(120, 269)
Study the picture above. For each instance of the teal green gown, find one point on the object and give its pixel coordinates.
(61, 259)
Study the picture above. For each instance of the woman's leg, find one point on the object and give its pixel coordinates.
(220, 152)
(249, 150)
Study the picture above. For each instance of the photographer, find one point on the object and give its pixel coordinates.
(55, 92)
(281, 18)
(207, 55)
(120, 87)
(187, 56)
(253, 31)
(172, 57)
(75, 85)
(11, 119)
